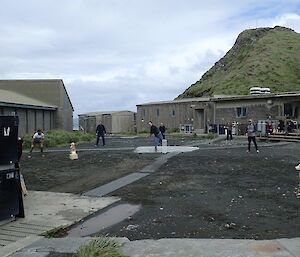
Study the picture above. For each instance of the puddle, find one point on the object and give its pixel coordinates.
(104, 220)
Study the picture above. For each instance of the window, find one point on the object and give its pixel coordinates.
(288, 110)
(241, 112)
(144, 112)
(173, 112)
(157, 112)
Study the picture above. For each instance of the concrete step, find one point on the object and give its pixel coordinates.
(12, 233)
(9, 237)
(5, 242)
(32, 226)
(22, 230)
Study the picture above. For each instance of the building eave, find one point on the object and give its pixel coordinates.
(27, 106)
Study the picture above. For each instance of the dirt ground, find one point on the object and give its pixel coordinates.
(215, 192)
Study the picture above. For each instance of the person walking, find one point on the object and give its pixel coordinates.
(37, 140)
(157, 135)
(100, 132)
(162, 130)
(251, 133)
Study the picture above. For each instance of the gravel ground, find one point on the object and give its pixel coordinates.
(219, 191)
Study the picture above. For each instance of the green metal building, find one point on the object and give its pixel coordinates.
(40, 104)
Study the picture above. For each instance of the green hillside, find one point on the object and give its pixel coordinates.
(263, 57)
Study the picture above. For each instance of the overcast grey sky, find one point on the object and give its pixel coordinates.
(114, 54)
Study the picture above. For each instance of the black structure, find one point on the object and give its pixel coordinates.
(8, 139)
(11, 200)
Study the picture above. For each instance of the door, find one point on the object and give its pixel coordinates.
(199, 119)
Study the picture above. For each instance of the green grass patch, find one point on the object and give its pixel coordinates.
(55, 138)
(100, 247)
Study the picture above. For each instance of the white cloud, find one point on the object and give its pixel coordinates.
(291, 20)
(114, 54)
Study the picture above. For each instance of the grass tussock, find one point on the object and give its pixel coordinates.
(100, 246)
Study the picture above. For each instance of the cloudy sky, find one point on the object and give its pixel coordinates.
(114, 54)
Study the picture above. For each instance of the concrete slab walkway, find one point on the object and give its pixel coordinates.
(174, 247)
(165, 149)
(213, 248)
(45, 211)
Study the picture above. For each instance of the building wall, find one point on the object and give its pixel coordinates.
(123, 122)
(29, 119)
(22, 121)
(114, 122)
(171, 114)
(63, 118)
(47, 120)
(255, 109)
(88, 123)
(107, 122)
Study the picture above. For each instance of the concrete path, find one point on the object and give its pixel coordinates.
(45, 211)
(174, 247)
(165, 149)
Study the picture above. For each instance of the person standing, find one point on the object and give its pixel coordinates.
(20, 151)
(269, 128)
(157, 135)
(251, 133)
(20, 148)
(100, 132)
(229, 131)
(37, 140)
(162, 130)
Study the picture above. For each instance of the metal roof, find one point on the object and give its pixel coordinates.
(219, 98)
(9, 98)
(103, 113)
(186, 100)
(261, 96)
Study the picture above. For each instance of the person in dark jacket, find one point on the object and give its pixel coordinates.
(157, 135)
(229, 131)
(100, 132)
(251, 133)
(20, 148)
(20, 151)
(162, 130)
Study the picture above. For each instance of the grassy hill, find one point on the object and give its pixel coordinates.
(264, 57)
